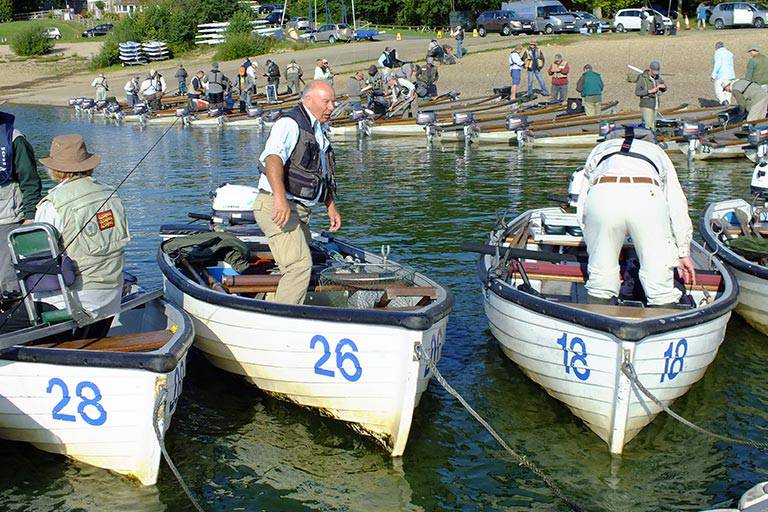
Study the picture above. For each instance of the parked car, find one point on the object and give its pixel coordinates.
(332, 33)
(589, 20)
(503, 22)
(99, 30)
(53, 33)
(274, 18)
(548, 16)
(266, 9)
(299, 22)
(738, 14)
(629, 19)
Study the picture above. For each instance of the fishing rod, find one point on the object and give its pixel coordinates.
(80, 231)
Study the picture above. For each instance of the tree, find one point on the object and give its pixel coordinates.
(6, 10)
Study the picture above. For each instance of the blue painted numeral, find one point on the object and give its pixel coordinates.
(674, 365)
(85, 402)
(434, 349)
(577, 344)
(341, 358)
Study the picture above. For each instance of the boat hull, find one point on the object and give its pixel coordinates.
(707, 152)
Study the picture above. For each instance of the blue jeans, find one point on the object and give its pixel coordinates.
(542, 85)
(459, 48)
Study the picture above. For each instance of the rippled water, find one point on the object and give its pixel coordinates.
(240, 450)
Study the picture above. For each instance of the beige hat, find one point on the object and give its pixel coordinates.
(69, 154)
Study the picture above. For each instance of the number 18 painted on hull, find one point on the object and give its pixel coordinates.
(580, 357)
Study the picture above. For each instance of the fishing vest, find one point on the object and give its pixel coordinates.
(303, 175)
(98, 251)
(292, 72)
(11, 211)
(215, 82)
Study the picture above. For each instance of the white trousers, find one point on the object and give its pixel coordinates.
(611, 212)
(720, 94)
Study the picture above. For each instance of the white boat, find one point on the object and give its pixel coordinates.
(575, 350)
(722, 221)
(97, 401)
(705, 151)
(354, 364)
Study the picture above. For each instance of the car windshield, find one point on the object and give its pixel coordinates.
(552, 9)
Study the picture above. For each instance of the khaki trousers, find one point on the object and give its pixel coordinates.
(649, 117)
(592, 109)
(290, 247)
(758, 110)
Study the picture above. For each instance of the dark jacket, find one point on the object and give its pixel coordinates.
(645, 82)
(273, 73)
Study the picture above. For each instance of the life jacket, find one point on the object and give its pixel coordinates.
(292, 71)
(95, 235)
(630, 133)
(304, 177)
(10, 193)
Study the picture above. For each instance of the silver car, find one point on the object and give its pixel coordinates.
(332, 33)
(738, 14)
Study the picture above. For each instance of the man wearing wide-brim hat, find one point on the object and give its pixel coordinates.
(20, 191)
(757, 68)
(750, 96)
(91, 221)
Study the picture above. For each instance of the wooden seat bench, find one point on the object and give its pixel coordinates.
(137, 342)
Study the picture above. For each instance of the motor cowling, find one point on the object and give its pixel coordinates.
(605, 128)
(79, 101)
(88, 103)
(234, 202)
(113, 108)
(257, 111)
(758, 135)
(215, 112)
(140, 110)
(182, 112)
(101, 104)
(73, 102)
(358, 115)
(692, 131)
(759, 185)
(274, 115)
(463, 118)
(515, 123)
(426, 118)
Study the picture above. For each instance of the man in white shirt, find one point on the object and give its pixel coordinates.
(630, 187)
(722, 72)
(401, 88)
(298, 174)
(515, 70)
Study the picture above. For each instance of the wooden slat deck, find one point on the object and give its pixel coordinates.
(138, 342)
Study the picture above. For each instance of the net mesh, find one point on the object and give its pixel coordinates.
(365, 283)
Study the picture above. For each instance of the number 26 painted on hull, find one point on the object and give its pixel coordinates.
(341, 358)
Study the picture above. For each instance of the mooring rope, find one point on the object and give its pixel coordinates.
(156, 424)
(628, 370)
(522, 460)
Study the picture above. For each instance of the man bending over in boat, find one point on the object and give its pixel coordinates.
(630, 187)
(298, 174)
(91, 221)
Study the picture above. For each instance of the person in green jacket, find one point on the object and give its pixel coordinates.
(648, 88)
(757, 68)
(750, 96)
(590, 86)
(20, 191)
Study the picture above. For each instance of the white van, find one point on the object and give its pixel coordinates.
(629, 19)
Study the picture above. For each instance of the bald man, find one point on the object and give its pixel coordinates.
(298, 174)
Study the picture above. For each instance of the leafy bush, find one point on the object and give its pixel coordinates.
(240, 22)
(237, 46)
(31, 40)
(6, 10)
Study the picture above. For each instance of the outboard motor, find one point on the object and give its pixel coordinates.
(518, 124)
(72, 102)
(233, 204)
(605, 128)
(274, 115)
(256, 111)
(362, 117)
(101, 104)
(574, 187)
(467, 121)
(758, 137)
(692, 133)
(183, 114)
(114, 110)
(87, 106)
(427, 119)
(218, 114)
(141, 110)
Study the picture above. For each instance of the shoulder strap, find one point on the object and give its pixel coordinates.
(626, 145)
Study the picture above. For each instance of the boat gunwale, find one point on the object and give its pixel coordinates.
(420, 320)
(625, 330)
(163, 360)
(722, 251)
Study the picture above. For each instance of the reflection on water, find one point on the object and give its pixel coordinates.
(240, 450)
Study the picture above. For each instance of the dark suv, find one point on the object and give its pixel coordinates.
(503, 22)
(99, 30)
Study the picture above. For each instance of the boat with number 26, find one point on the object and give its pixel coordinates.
(533, 272)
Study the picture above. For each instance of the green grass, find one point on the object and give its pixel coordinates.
(70, 30)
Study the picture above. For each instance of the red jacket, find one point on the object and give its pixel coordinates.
(559, 76)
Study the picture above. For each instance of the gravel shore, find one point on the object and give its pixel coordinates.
(686, 65)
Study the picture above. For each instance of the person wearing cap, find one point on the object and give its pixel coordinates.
(246, 87)
(375, 79)
(152, 89)
(630, 187)
(722, 72)
(558, 70)
(388, 58)
(590, 86)
(215, 86)
(757, 68)
(401, 89)
(131, 88)
(750, 96)
(298, 175)
(323, 71)
(534, 63)
(515, 70)
(91, 221)
(293, 75)
(429, 75)
(101, 85)
(458, 34)
(272, 73)
(181, 79)
(648, 87)
(357, 91)
(20, 191)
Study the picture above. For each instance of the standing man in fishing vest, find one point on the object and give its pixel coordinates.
(458, 35)
(630, 187)
(132, 91)
(429, 75)
(749, 96)
(20, 191)
(559, 70)
(153, 88)
(534, 63)
(722, 72)
(648, 87)
(590, 86)
(298, 174)
(273, 79)
(293, 75)
(181, 78)
(216, 83)
(101, 85)
(91, 221)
